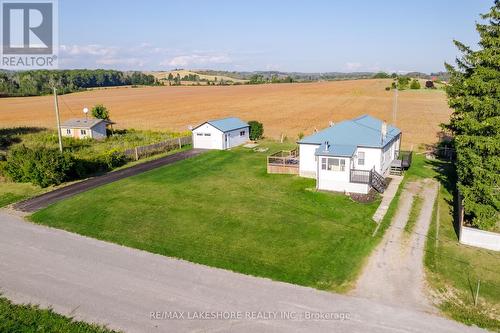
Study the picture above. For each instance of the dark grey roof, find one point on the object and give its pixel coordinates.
(82, 122)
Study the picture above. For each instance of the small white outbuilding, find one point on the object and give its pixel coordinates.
(90, 128)
(221, 134)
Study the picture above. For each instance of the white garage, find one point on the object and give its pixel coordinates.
(221, 134)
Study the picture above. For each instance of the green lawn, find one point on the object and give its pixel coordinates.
(222, 209)
(28, 318)
(11, 192)
(453, 270)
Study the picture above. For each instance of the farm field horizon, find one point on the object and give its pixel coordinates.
(284, 109)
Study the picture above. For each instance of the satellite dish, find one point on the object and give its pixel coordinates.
(85, 110)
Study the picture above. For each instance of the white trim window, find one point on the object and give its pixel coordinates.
(361, 158)
(83, 132)
(199, 134)
(333, 164)
(68, 131)
(242, 133)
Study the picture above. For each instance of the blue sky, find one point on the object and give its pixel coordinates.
(306, 36)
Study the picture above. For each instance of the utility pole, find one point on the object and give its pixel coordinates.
(395, 106)
(56, 107)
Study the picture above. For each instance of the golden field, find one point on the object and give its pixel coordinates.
(287, 109)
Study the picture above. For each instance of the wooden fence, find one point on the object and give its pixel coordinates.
(158, 148)
(284, 161)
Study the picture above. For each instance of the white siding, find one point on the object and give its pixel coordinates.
(338, 181)
(233, 138)
(217, 139)
(307, 160)
(372, 159)
(480, 238)
(67, 131)
(211, 141)
(389, 154)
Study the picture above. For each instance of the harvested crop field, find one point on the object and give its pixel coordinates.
(287, 109)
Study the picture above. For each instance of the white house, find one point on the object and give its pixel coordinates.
(85, 128)
(351, 156)
(221, 134)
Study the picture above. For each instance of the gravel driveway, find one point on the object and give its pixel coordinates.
(395, 273)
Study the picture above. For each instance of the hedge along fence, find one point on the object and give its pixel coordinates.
(157, 148)
(473, 236)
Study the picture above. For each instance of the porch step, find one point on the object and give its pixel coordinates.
(396, 171)
(378, 182)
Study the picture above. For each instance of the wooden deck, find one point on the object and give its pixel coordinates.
(402, 162)
(284, 162)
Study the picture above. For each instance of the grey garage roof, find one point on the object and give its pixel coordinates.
(82, 122)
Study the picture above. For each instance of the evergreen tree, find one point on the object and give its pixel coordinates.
(474, 95)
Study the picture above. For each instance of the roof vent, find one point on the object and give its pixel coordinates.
(331, 123)
(327, 145)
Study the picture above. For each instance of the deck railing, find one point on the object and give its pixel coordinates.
(284, 161)
(360, 176)
(405, 156)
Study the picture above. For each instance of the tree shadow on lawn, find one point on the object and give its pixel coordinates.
(447, 176)
(10, 136)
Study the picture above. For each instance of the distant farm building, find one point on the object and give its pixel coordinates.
(83, 128)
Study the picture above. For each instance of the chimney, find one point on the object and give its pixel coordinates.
(383, 130)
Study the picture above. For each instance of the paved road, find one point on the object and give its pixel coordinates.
(395, 272)
(43, 200)
(102, 282)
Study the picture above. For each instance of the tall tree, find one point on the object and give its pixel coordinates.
(99, 111)
(474, 95)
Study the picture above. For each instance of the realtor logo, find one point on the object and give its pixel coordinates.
(29, 34)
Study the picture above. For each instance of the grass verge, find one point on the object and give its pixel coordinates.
(222, 209)
(452, 269)
(30, 318)
(11, 192)
(416, 206)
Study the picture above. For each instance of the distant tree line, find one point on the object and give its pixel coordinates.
(40, 82)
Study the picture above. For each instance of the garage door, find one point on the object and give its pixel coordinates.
(203, 140)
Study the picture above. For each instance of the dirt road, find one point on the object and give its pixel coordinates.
(133, 290)
(395, 274)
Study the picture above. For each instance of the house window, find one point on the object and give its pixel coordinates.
(242, 133)
(333, 164)
(68, 131)
(208, 134)
(199, 134)
(83, 132)
(361, 158)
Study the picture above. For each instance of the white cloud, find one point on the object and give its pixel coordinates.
(143, 55)
(196, 59)
(353, 66)
(120, 61)
(91, 49)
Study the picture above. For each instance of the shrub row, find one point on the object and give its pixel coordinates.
(47, 166)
